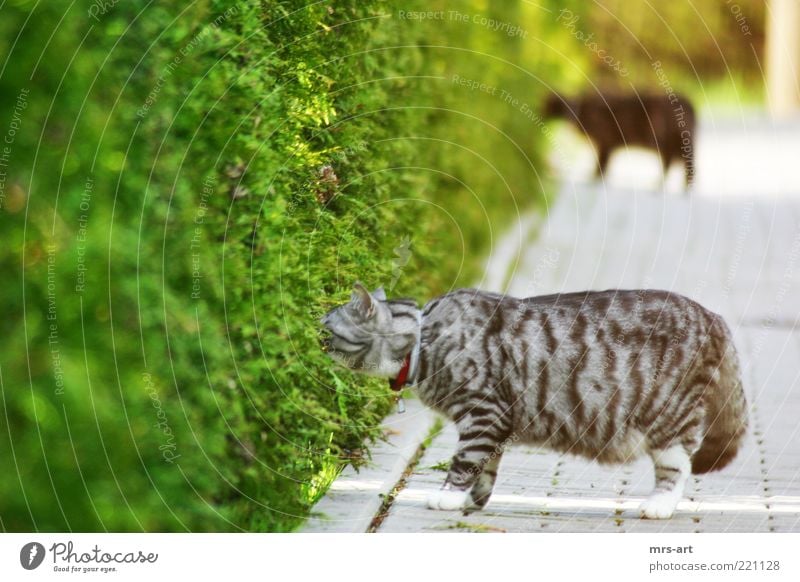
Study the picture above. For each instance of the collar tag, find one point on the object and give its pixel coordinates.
(409, 368)
(398, 383)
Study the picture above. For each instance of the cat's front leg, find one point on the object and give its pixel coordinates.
(484, 485)
(463, 474)
(449, 499)
(472, 474)
(471, 499)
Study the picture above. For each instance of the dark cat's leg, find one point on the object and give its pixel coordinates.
(666, 162)
(603, 156)
(688, 165)
(474, 466)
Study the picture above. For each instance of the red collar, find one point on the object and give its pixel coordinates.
(398, 383)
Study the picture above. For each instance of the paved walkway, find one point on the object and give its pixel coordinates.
(738, 255)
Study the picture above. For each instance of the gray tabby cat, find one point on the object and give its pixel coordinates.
(607, 375)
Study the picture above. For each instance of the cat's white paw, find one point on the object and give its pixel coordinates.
(658, 506)
(448, 499)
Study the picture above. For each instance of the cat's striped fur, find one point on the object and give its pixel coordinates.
(606, 375)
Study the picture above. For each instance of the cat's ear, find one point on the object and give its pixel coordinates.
(363, 301)
(379, 294)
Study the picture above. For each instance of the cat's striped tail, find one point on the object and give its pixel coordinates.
(726, 413)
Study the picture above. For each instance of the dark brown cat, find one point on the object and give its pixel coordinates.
(659, 121)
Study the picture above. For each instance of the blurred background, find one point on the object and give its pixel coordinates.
(185, 189)
(737, 63)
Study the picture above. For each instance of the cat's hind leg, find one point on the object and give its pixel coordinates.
(672, 467)
(603, 157)
(666, 163)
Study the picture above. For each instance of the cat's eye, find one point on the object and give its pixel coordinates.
(349, 345)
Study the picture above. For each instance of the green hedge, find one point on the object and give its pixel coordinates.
(188, 189)
(712, 50)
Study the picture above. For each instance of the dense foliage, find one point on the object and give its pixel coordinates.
(188, 188)
(712, 49)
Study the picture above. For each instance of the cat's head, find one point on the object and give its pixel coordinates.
(370, 334)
